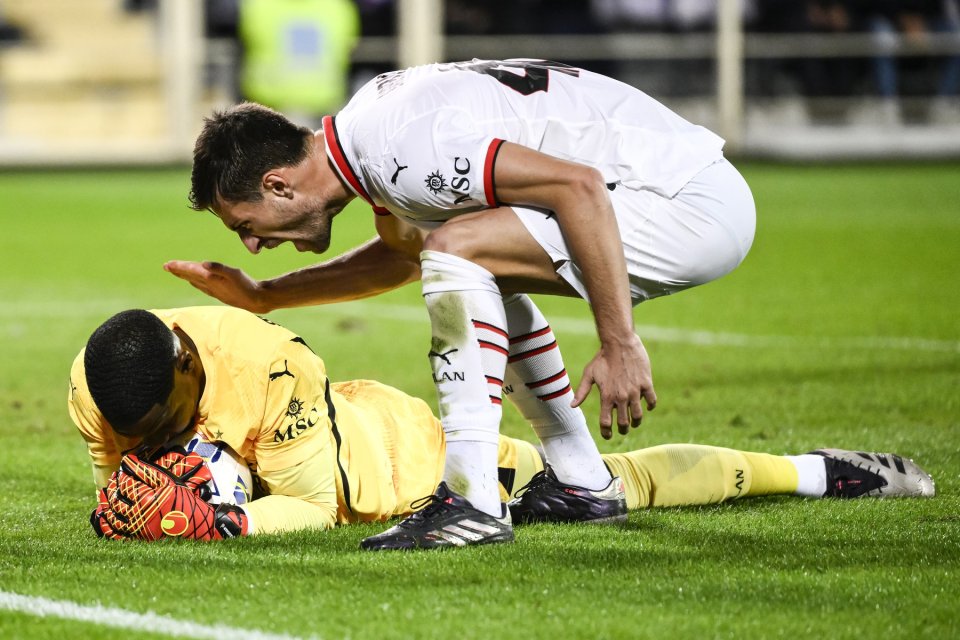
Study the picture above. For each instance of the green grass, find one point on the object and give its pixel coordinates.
(848, 261)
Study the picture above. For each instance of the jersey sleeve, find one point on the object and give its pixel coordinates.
(295, 456)
(101, 446)
(441, 162)
(301, 497)
(296, 424)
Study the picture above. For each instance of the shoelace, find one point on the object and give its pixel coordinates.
(426, 507)
(539, 479)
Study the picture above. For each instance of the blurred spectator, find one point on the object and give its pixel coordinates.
(914, 21)
(377, 17)
(221, 17)
(137, 6)
(527, 17)
(296, 54)
(817, 77)
(663, 15)
(633, 15)
(682, 76)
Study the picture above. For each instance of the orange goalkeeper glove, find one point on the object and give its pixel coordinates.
(151, 502)
(100, 525)
(188, 469)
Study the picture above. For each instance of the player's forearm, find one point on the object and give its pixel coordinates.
(273, 514)
(102, 473)
(365, 271)
(303, 496)
(578, 196)
(589, 226)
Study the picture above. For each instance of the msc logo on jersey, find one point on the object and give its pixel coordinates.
(461, 184)
(436, 182)
(295, 429)
(294, 408)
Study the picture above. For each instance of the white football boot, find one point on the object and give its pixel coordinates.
(855, 474)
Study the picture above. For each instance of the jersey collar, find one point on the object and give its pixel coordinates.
(339, 157)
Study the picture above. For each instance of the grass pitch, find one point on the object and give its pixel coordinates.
(840, 329)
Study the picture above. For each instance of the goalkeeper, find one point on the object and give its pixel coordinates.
(330, 453)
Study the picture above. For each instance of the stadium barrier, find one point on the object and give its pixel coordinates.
(136, 91)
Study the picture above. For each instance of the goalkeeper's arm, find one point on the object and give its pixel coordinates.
(301, 497)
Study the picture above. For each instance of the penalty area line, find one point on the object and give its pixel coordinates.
(123, 619)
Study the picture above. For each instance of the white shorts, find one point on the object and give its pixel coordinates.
(669, 244)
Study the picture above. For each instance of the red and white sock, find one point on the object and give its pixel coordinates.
(538, 385)
(468, 353)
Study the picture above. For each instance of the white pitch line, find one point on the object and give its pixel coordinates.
(18, 315)
(123, 619)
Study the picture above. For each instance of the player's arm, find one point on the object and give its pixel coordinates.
(301, 497)
(388, 261)
(93, 427)
(578, 196)
(295, 451)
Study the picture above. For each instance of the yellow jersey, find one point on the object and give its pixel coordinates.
(325, 452)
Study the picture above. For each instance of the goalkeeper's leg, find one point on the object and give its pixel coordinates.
(689, 474)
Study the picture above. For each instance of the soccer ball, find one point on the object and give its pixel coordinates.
(232, 481)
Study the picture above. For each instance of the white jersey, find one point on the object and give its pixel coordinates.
(422, 143)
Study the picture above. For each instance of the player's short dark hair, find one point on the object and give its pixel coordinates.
(129, 362)
(236, 147)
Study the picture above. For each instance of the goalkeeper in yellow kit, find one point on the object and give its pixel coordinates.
(330, 453)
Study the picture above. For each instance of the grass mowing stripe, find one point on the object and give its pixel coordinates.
(123, 619)
(568, 324)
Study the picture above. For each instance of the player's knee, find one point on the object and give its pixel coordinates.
(455, 239)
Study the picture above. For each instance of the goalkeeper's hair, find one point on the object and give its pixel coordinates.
(129, 362)
(236, 147)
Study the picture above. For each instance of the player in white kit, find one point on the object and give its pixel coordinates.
(490, 180)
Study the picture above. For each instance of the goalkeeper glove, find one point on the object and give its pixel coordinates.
(152, 502)
(100, 525)
(187, 468)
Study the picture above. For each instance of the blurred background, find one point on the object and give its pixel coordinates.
(128, 81)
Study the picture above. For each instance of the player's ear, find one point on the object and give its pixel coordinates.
(276, 183)
(185, 361)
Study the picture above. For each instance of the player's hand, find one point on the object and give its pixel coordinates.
(101, 526)
(227, 284)
(151, 503)
(186, 468)
(622, 374)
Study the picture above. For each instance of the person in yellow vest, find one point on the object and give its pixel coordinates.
(296, 54)
(329, 453)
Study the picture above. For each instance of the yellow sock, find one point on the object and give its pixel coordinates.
(689, 474)
(518, 461)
